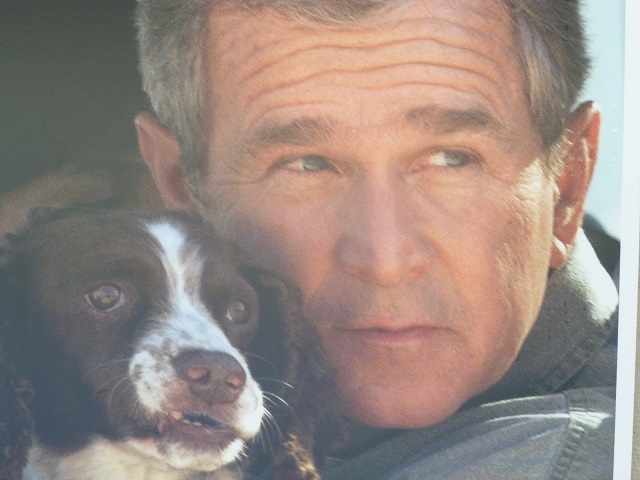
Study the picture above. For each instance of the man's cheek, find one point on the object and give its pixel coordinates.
(259, 233)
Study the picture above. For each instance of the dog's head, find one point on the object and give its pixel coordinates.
(135, 328)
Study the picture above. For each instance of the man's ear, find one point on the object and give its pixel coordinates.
(579, 152)
(160, 150)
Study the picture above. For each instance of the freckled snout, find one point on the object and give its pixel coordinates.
(213, 377)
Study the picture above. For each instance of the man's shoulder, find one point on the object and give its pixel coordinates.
(567, 435)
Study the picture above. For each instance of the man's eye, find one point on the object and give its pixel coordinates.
(450, 158)
(307, 163)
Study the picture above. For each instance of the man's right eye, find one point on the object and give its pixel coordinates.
(307, 163)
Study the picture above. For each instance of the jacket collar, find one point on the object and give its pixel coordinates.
(577, 318)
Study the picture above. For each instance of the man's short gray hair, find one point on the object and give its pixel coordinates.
(171, 41)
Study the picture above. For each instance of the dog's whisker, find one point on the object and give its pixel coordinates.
(105, 385)
(275, 399)
(269, 434)
(260, 357)
(114, 388)
(269, 418)
(269, 401)
(276, 381)
(95, 369)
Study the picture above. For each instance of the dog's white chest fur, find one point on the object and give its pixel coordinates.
(105, 460)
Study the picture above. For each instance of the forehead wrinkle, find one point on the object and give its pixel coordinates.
(256, 50)
(300, 131)
(442, 121)
(349, 65)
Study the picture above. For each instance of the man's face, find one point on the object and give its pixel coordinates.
(392, 170)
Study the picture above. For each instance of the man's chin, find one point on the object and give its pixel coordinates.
(384, 409)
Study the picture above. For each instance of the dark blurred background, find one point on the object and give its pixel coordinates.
(69, 85)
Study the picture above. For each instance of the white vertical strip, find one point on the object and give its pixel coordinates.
(630, 214)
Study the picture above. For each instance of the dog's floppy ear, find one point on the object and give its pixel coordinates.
(287, 359)
(274, 351)
(16, 394)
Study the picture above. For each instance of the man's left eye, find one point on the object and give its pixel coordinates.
(450, 158)
(307, 163)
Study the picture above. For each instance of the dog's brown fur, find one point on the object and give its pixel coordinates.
(16, 419)
(124, 183)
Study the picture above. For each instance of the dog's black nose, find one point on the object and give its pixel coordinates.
(214, 377)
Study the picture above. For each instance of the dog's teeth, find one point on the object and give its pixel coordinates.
(197, 424)
(175, 415)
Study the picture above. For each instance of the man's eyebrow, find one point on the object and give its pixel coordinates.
(300, 131)
(439, 120)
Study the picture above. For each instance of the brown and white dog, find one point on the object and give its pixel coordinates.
(137, 332)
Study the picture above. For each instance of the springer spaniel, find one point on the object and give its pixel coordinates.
(137, 332)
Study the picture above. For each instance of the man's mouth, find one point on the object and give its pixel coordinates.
(393, 337)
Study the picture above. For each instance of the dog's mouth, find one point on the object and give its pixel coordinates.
(195, 430)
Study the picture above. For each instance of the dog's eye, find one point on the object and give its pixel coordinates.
(105, 297)
(238, 312)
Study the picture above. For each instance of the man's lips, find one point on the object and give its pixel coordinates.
(392, 337)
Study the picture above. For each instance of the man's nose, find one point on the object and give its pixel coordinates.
(381, 238)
